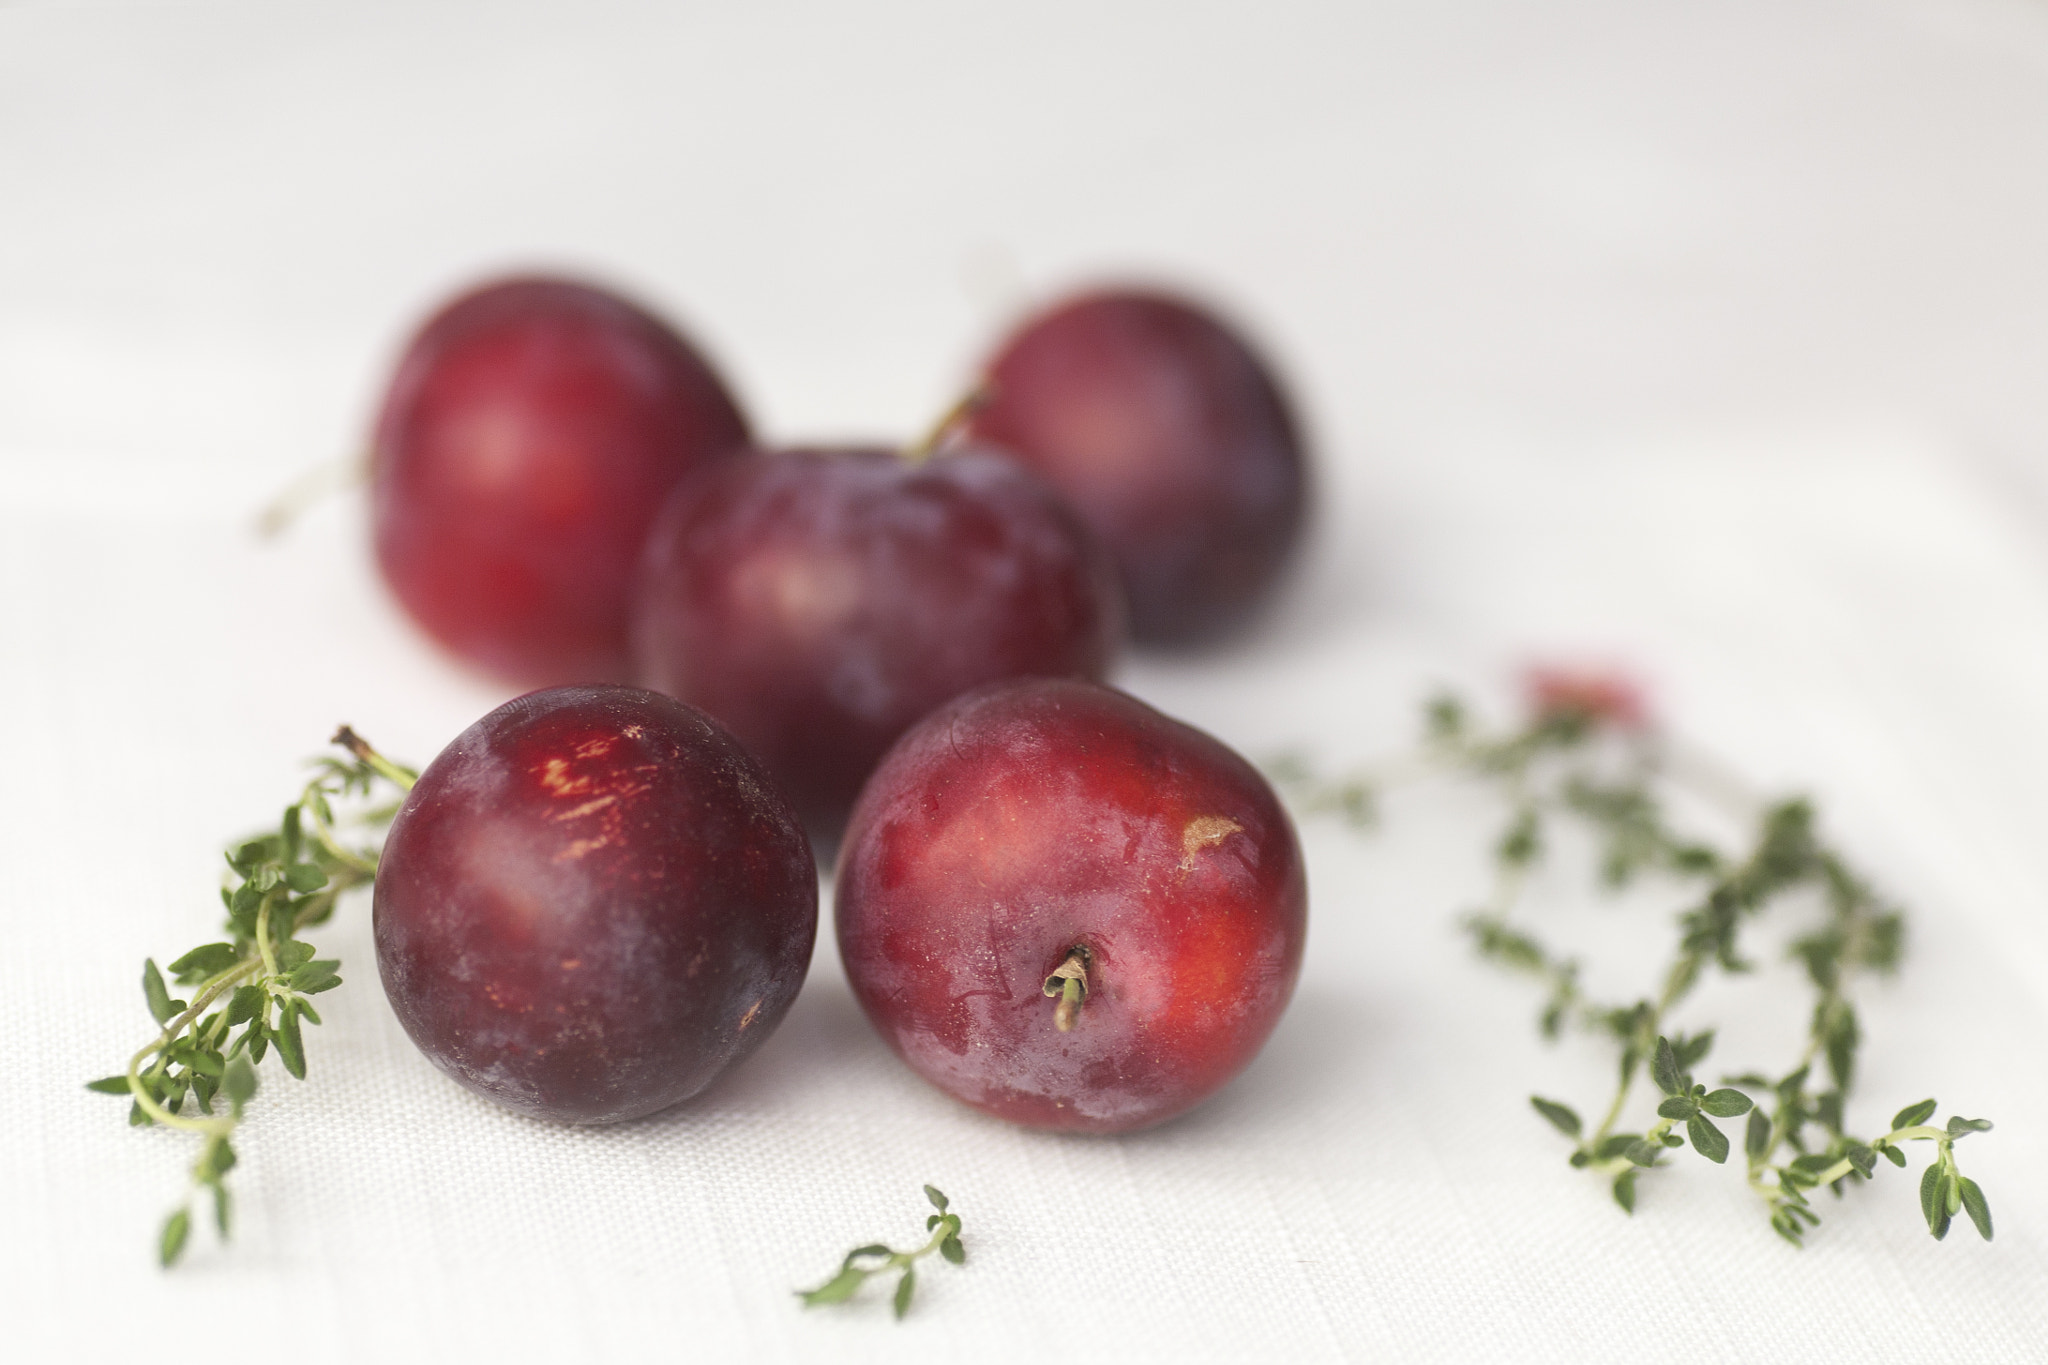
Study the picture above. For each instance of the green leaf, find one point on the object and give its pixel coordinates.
(176, 1228)
(289, 1046)
(1642, 1152)
(1930, 1184)
(1913, 1115)
(1614, 1146)
(905, 1287)
(838, 1289)
(957, 1254)
(243, 1004)
(1664, 1069)
(239, 1082)
(938, 1200)
(1974, 1205)
(216, 1161)
(153, 991)
(220, 1208)
(202, 962)
(1692, 1051)
(1625, 1190)
(1756, 1141)
(1842, 1037)
(1677, 1107)
(1958, 1126)
(315, 976)
(206, 1062)
(1727, 1104)
(110, 1085)
(872, 1249)
(1523, 840)
(293, 954)
(1445, 717)
(305, 878)
(1561, 1116)
(1709, 1141)
(1894, 1155)
(1808, 1168)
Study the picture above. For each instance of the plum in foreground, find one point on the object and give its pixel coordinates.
(818, 602)
(1170, 437)
(1068, 910)
(530, 432)
(592, 903)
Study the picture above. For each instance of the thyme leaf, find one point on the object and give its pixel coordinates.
(944, 1229)
(257, 980)
(1587, 752)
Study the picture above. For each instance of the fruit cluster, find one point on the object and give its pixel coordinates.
(1055, 903)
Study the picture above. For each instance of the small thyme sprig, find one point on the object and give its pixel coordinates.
(944, 1228)
(281, 883)
(1587, 752)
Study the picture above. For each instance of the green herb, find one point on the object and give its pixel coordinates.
(877, 1259)
(1586, 755)
(258, 980)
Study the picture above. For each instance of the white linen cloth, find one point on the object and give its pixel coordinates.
(1704, 341)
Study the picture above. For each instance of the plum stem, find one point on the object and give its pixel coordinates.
(309, 489)
(1069, 983)
(949, 421)
(401, 777)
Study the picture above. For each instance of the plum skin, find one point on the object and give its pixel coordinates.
(1028, 819)
(528, 434)
(592, 902)
(818, 602)
(1171, 437)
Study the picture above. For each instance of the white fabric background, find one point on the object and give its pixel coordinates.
(1709, 339)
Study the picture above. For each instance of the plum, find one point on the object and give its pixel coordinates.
(527, 438)
(1170, 437)
(818, 602)
(1052, 838)
(592, 903)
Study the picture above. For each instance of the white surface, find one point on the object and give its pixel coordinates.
(1708, 338)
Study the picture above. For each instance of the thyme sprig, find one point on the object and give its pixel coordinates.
(1588, 754)
(260, 979)
(878, 1259)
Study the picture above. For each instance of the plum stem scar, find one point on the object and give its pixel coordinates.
(1068, 982)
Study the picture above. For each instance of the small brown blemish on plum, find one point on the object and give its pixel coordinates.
(570, 964)
(1204, 831)
(748, 1017)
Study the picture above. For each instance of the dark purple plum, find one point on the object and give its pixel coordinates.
(1170, 437)
(529, 434)
(818, 602)
(592, 903)
(1051, 838)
